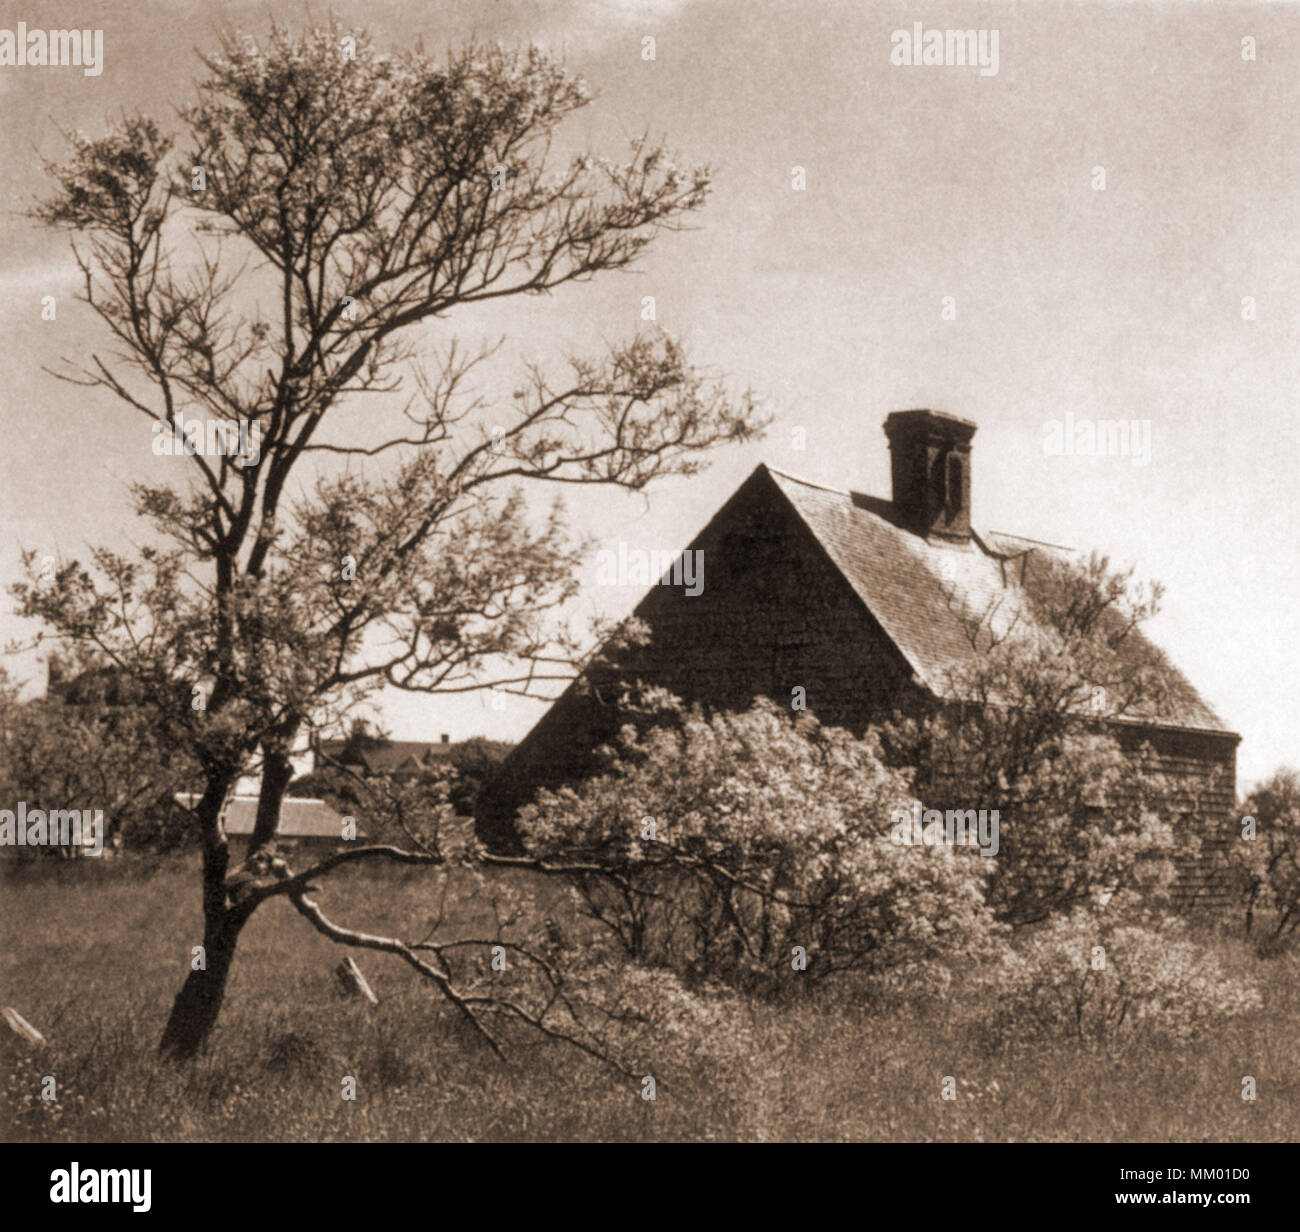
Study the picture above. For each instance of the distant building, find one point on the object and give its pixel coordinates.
(371, 755)
(303, 823)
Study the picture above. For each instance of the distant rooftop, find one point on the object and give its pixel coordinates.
(380, 756)
(299, 817)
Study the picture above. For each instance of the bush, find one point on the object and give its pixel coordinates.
(1267, 864)
(475, 761)
(1078, 978)
(735, 847)
(1028, 728)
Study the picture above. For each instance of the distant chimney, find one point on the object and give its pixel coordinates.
(444, 738)
(930, 465)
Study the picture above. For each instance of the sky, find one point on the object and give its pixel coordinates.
(949, 244)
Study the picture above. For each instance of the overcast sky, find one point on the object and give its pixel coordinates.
(921, 183)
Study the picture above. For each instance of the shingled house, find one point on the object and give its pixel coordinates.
(857, 599)
(374, 755)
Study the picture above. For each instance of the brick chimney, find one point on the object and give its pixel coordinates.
(930, 466)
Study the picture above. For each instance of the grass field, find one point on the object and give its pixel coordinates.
(93, 959)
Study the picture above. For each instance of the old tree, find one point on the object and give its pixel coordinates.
(279, 263)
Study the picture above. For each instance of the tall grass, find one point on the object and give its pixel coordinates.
(93, 958)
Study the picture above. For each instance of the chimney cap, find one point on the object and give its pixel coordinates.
(899, 420)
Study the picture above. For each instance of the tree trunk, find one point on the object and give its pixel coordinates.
(198, 1004)
(277, 772)
(194, 1012)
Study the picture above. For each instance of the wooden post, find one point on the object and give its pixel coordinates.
(22, 1028)
(353, 982)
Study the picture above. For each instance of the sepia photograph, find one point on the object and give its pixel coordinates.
(649, 572)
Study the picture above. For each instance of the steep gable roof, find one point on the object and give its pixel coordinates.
(917, 589)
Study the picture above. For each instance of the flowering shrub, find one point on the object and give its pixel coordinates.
(747, 848)
(1029, 730)
(648, 1019)
(1074, 977)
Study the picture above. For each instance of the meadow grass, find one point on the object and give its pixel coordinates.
(94, 956)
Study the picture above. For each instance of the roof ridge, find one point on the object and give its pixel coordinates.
(825, 487)
(808, 483)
